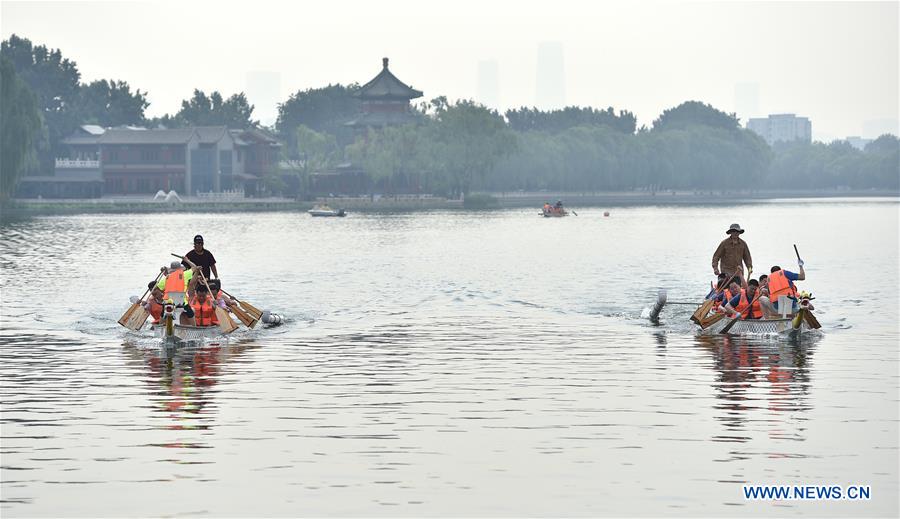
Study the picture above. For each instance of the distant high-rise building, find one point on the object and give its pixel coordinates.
(550, 91)
(858, 142)
(746, 100)
(781, 128)
(264, 93)
(489, 84)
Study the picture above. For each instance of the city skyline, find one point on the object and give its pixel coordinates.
(689, 51)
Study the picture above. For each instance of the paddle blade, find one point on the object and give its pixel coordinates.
(131, 309)
(811, 321)
(702, 311)
(729, 325)
(137, 319)
(244, 317)
(704, 324)
(250, 309)
(226, 323)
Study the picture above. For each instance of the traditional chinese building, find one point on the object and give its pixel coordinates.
(136, 161)
(384, 101)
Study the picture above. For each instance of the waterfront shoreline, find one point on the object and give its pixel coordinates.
(18, 208)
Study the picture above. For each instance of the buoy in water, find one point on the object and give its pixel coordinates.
(271, 319)
(605, 213)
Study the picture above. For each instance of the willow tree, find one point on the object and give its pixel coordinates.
(470, 140)
(22, 128)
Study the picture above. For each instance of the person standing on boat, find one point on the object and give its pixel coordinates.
(202, 258)
(732, 254)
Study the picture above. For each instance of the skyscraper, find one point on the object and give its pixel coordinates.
(781, 128)
(550, 87)
(264, 93)
(489, 84)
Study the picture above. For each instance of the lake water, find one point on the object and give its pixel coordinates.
(449, 363)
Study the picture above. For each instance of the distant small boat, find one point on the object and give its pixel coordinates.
(325, 211)
(554, 213)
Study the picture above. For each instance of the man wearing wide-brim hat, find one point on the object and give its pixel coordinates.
(732, 254)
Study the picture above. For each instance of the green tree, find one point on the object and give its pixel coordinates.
(317, 150)
(695, 113)
(470, 139)
(396, 157)
(54, 81)
(21, 127)
(213, 110)
(111, 103)
(532, 119)
(325, 110)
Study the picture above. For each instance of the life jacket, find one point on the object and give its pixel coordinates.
(718, 305)
(755, 311)
(174, 283)
(780, 285)
(156, 310)
(205, 312)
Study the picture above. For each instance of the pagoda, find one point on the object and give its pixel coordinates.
(384, 101)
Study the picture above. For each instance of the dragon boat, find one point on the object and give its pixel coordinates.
(717, 323)
(172, 333)
(786, 325)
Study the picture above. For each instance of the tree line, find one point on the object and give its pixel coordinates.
(447, 148)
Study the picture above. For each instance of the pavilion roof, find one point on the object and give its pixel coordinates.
(386, 86)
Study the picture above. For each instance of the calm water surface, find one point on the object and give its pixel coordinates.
(448, 364)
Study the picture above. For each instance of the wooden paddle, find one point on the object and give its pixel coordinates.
(811, 320)
(707, 305)
(706, 323)
(247, 307)
(808, 316)
(226, 323)
(136, 315)
(248, 320)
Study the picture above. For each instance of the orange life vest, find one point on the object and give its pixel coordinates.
(156, 310)
(754, 313)
(205, 312)
(718, 305)
(779, 285)
(174, 283)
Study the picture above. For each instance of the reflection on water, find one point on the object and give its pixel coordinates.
(754, 375)
(440, 364)
(181, 380)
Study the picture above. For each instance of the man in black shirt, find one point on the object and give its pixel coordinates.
(202, 258)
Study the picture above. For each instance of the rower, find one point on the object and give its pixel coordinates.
(204, 307)
(176, 282)
(741, 303)
(781, 289)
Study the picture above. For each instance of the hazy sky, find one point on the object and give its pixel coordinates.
(836, 63)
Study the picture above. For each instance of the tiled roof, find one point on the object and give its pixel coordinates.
(211, 134)
(81, 139)
(181, 136)
(386, 86)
